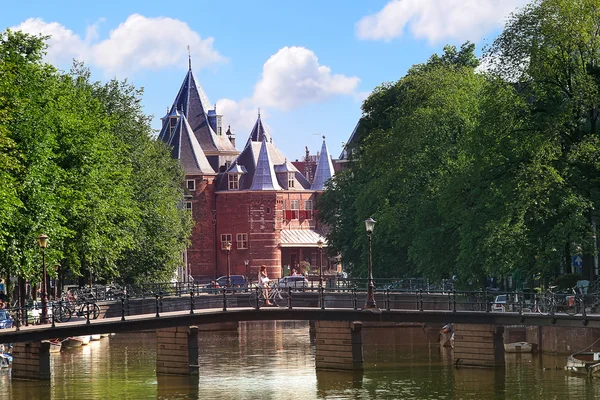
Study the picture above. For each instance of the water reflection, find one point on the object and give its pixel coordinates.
(275, 360)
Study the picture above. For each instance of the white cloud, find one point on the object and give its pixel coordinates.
(136, 44)
(292, 77)
(63, 46)
(241, 116)
(436, 20)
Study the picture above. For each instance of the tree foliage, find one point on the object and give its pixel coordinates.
(80, 164)
(473, 173)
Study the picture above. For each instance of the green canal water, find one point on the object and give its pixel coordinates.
(275, 360)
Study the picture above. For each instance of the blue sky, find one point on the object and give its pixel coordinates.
(306, 64)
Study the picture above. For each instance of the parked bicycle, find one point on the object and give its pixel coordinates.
(63, 311)
(276, 296)
(552, 302)
(573, 303)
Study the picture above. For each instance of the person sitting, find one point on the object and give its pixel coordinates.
(263, 282)
(294, 273)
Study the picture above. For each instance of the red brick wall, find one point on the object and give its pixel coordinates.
(260, 215)
(201, 253)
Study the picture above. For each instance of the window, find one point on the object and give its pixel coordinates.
(290, 180)
(308, 209)
(242, 240)
(295, 209)
(268, 210)
(234, 182)
(219, 131)
(191, 184)
(188, 205)
(225, 237)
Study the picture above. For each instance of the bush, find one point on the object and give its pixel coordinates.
(567, 281)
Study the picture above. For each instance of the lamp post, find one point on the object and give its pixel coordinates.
(319, 249)
(228, 248)
(43, 242)
(247, 263)
(370, 304)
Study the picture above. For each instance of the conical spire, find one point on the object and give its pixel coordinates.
(193, 103)
(259, 132)
(324, 170)
(264, 174)
(187, 149)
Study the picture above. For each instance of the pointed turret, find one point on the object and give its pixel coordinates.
(193, 103)
(188, 151)
(324, 170)
(264, 174)
(259, 133)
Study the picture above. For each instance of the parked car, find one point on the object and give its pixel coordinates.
(236, 281)
(5, 320)
(499, 303)
(293, 282)
(506, 302)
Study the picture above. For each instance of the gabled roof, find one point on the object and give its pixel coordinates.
(187, 150)
(264, 174)
(193, 103)
(324, 170)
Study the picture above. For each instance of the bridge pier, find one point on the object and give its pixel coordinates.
(177, 351)
(338, 345)
(31, 360)
(478, 345)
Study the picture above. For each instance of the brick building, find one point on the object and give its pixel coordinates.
(254, 199)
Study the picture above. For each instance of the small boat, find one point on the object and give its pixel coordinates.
(55, 345)
(105, 335)
(584, 363)
(95, 337)
(76, 341)
(519, 347)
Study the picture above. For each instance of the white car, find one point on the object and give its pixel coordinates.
(499, 303)
(293, 282)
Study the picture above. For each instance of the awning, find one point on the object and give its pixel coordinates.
(300, 238)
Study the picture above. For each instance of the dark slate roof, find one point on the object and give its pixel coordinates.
(264, 174)
(324, 170)
(259, 133)
(193, 103)
(349, 143)
(262, 158)
(187, 150)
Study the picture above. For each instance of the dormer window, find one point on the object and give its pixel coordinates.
(290, 180)
(190, 184)
(234, 181)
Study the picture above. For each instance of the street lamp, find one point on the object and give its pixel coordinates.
(370, 304)
(247, 263)
(43, 242)
(319, 249)
(228, 248)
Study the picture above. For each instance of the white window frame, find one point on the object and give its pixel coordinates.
(233, 181)
(308, 208)
(193, 184)
(295, 208)
(225, 237)
(187, 205)
(241, 240)
(291, 176)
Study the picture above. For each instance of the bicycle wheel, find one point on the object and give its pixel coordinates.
(572, 305)
(548, 306)
(280, 298)
(256, 299)
(93, 312)
(62, 313)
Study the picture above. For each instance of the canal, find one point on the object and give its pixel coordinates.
(275, 360)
